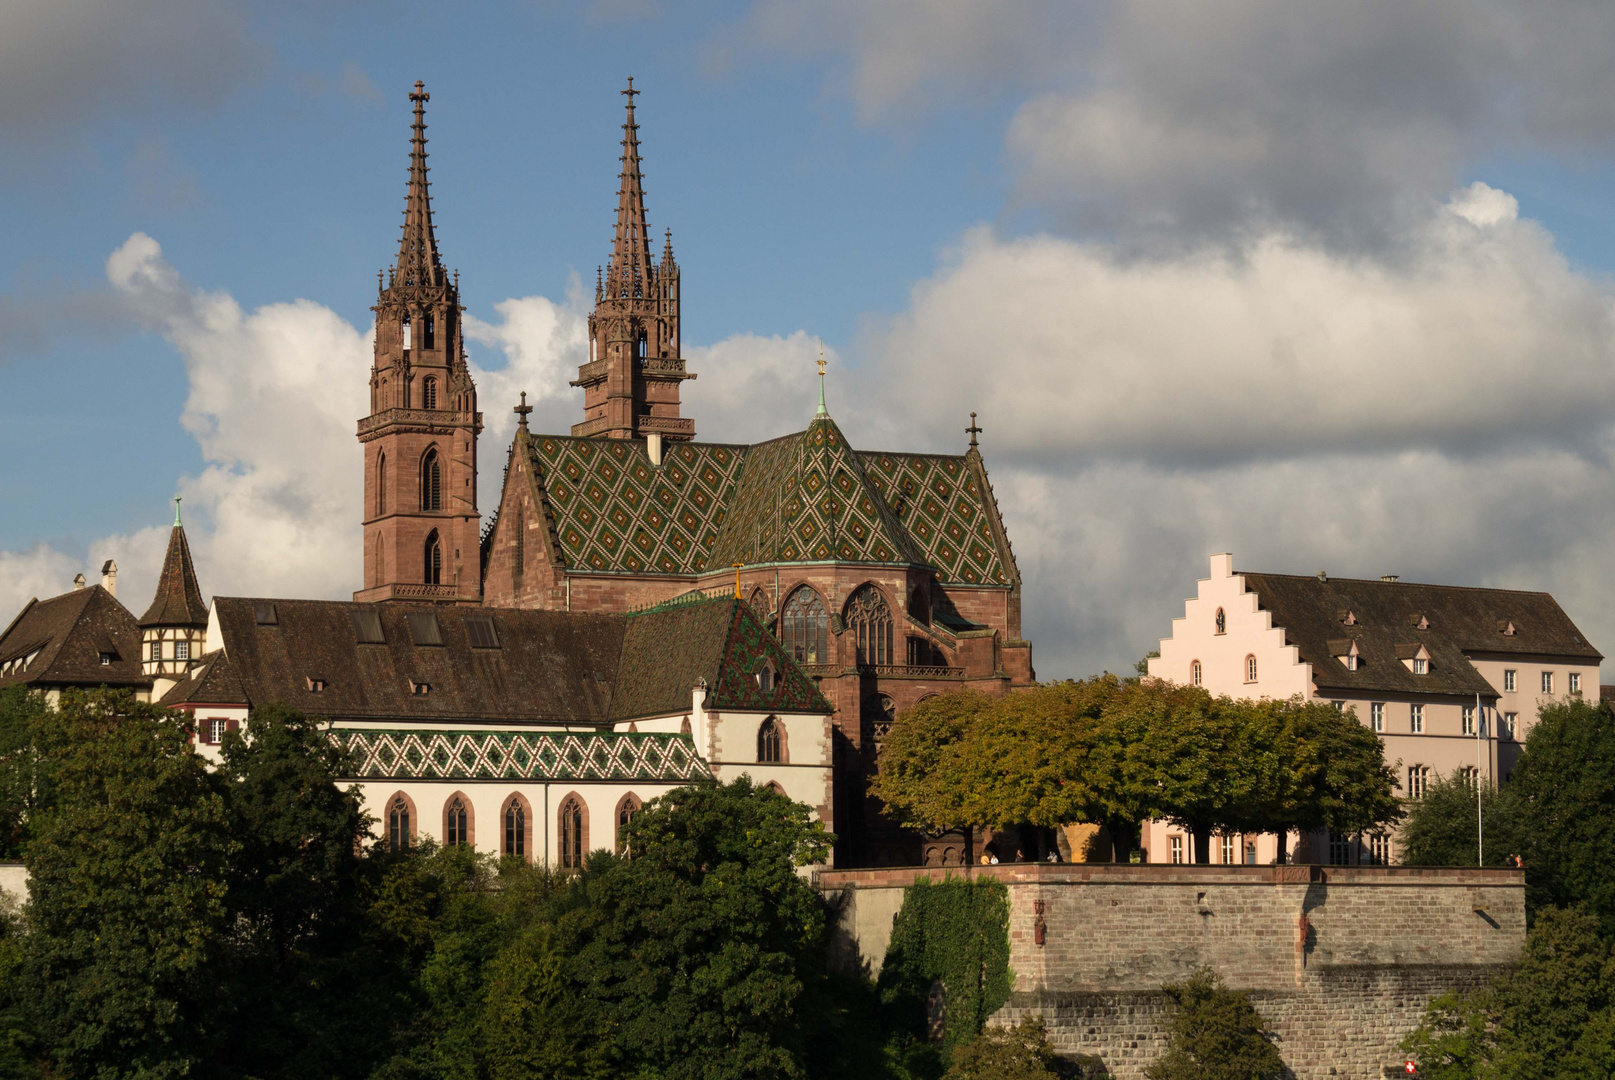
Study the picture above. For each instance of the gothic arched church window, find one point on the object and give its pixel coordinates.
(572, 843)
(398, 825)
(454, 823)
(870, 619)
(429, 393)
(431, 481)
(625, 813)
(515, 828)
(802, 627)
(769, 742)
(433, 557)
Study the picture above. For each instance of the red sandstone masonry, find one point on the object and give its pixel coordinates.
(1341, 960)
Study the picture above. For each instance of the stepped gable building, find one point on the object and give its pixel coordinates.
(1450, 677)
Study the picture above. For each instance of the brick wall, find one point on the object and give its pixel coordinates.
(1341, 960)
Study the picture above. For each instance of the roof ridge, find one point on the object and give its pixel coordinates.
(1397, 584)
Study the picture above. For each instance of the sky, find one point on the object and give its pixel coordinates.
(1327, 286)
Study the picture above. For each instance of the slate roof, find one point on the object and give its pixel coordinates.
(179, 599)
(548, 667)
(1461, 622)
(69, 633)
(804, 497)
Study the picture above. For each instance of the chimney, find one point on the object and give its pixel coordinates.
(1390, 577)
(109, 577)
(78, 581)
(1323, 576)
(653, 446)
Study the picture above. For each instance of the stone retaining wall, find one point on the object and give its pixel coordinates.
(1341, 960)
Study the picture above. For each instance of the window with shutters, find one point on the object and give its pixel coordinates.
(429, 393)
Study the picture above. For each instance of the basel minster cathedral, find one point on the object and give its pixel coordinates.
(642, 607)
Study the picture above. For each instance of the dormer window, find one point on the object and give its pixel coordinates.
(1506, 628)
(1348, 618)
(419, 689)
(1415, 657)
(1421, 666)
(315, 686)
(766, 678)
(1345, 650)
(1419, 622)
(106, 659)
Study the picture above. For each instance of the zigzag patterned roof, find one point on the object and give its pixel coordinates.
(504, 755)
(804, 497)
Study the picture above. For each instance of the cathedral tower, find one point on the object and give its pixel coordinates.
(421, 524)
(631, 382)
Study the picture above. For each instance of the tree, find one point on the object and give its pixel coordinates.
(920, 778)
(1441, 827)
(702, 943)
(300, 978)
(23, 715)
(1548, 1018)
(129, 882)
(1216, 1034)
(1564, 787)
(1018, 1053)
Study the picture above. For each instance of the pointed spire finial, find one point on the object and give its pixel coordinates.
(418, 262)
(822, 410)
(972, 431)
(522, 410)
(176, 511)
(631, 270)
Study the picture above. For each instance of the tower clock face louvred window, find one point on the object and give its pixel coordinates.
(431, 482)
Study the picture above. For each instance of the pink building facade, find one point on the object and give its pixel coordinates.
(1451, 678)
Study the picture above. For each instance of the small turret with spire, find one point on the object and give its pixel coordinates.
(175, 625)
(631, 382)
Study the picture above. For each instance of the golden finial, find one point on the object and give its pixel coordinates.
(822, 410)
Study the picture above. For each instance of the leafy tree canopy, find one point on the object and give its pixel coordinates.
(1216, 1034)
(1441, 828)
(1018, 1053)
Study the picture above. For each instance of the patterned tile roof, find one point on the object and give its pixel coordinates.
(720, 640)
(945, 506)
(614, 510)
(505, 755)
(804, 497)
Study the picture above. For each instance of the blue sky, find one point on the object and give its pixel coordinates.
(1069, 215)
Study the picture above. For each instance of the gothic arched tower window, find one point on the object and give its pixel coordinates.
(802, 627)
(381, 484)
(429, 392)
(430, 341)
(433, 556)
(431, 481)
(871, 620)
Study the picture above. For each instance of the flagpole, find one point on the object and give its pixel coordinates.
(1480, 824)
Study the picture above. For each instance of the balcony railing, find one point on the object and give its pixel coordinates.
(430, 417)
(668, 425)
(593, 371)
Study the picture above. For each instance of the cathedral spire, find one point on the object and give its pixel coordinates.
(630, 249)
(418, 262)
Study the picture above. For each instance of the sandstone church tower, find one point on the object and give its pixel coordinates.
(421, 523)
(631, 382)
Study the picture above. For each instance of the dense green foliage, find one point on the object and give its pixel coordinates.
(954, 933)
(1116, 752)
(1215, 1034)
(22, 714)
(1018, 1053)
(1441, 829)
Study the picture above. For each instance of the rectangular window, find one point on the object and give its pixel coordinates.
(1547, 682)
(1417, 776)
(214, 733)
(1376, 713)
(156, 650)
(1227, 852)
(1509, 678)
(1379, 849)
(1250, 853)
(182, 650)
(1421, 666)
(1575, 682)
(1469, 719)
(1339, 849)
(1470, 776)
(1177, 849)
(1417, 716)
(1340, 706)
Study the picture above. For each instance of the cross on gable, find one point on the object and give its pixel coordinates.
(973, 430)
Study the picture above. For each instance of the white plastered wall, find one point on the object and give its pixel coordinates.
(1280, 672)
